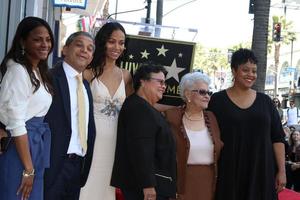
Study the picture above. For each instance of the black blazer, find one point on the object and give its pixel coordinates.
(145, 151)
(59, 120)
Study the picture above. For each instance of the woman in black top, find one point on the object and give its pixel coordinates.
(252, 162)
(145, 158)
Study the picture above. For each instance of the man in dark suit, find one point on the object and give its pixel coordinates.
(71, 143)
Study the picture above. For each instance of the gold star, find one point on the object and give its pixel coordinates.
(162, 50)
(173, 71)
(145, 54)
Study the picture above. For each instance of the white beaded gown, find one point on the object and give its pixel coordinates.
(106, 112)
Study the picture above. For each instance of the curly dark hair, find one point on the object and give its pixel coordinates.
(144, 71)
(242, 56)
(24, 28)
(101, 39)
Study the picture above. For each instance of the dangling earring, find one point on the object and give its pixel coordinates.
(22, 50)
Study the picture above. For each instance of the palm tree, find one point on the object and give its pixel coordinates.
(260, 40)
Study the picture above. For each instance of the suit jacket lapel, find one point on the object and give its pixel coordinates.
(64, 91)
(88, 90)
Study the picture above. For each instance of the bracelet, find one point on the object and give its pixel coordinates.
(28, 174)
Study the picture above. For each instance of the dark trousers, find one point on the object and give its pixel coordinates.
(138, 195)
(67, 184)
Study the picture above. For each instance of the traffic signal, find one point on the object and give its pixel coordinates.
(276, 32)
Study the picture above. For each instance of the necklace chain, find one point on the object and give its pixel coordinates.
(190, 119)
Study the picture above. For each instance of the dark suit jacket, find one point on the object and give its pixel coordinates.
(145, 151)
(59, 120)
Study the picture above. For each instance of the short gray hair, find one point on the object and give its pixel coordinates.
(189, 79)
(72, 37)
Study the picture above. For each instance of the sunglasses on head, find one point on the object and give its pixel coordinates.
(203, 92)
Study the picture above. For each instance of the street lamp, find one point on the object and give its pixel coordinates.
(148, 12)
(292, 50)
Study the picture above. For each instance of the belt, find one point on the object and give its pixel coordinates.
(74, 156)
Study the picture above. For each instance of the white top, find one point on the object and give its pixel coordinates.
(201, 147)
(292, 117)
(74, 146)
(106, 106)
(18, 103)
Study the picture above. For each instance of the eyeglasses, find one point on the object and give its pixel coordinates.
(160, 81)
(203, 92)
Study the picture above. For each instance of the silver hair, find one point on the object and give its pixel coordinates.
(188, 81)
(72, 37)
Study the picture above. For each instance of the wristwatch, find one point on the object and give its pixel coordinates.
(28, 174)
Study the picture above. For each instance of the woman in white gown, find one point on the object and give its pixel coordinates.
(109, 85)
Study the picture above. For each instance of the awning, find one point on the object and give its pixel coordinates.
(93, 7)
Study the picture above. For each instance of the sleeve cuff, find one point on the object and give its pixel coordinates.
(18, 131)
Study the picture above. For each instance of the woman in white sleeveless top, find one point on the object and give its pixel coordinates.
(109, 85)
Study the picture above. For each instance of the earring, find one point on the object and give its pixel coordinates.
(22, 51)
(189, 100)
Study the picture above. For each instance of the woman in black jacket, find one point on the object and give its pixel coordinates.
(145, 158)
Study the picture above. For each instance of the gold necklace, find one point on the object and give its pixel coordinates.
(190, 119)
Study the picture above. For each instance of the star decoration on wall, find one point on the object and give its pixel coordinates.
(162, 51)
(145, 54)
(173, 70)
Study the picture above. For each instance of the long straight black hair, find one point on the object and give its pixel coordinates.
(15, 53)
(101, 39)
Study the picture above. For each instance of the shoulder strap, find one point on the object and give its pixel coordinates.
(122, 74)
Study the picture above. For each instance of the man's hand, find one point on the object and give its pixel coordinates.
(149, 193)
(295, 166)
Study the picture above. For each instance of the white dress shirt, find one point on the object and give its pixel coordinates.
(74, 146)
(18, 102)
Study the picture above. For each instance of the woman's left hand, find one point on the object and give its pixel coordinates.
(25, 187)
(280, 181)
